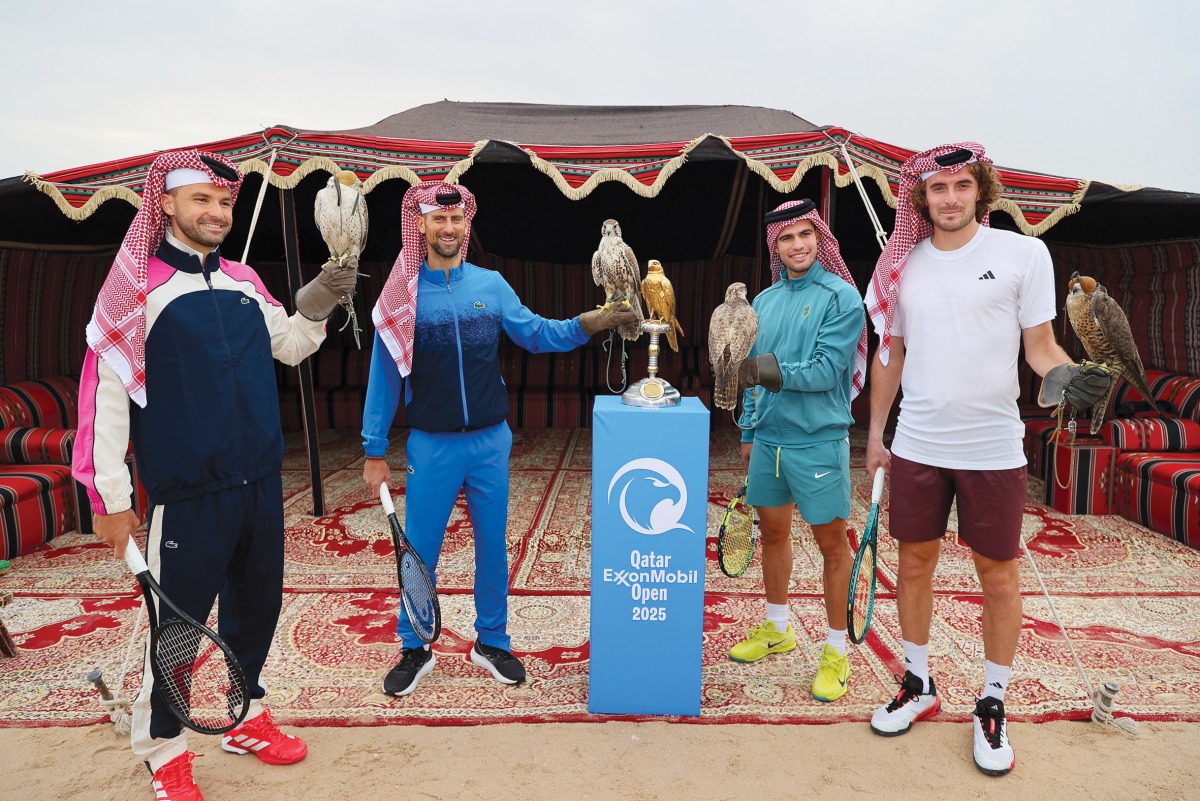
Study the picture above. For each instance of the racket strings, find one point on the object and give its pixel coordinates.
(194, 676)
(420, 597)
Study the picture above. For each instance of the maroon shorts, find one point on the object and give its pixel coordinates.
(991, 504)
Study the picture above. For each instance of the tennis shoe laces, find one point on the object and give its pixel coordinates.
(762, 640)
(173, 781)
(830, 682)
(911, 704)
(261, 737)
(503, 666)
(993, 755)
(414, 665)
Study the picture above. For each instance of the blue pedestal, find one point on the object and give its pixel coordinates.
(649, 513)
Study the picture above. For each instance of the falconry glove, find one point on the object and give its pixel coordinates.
(597, 320)
(335, 285)
(1080, 385)
(761, 371)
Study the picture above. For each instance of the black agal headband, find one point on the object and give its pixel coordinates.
(790, 213)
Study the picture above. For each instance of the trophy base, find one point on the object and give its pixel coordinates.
(651, 393)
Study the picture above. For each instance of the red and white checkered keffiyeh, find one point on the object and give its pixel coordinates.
(830, 255)
(117, 330)
(911, 228)
(395, 313)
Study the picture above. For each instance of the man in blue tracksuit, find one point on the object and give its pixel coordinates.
(438, 325)
(809, 357)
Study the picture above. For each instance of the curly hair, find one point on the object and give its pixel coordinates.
(989, 191)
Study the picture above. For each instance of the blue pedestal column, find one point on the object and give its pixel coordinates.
(649, 512)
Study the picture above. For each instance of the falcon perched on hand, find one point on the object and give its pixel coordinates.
(1104, 331)
(731, 333)
(341, 217)
(660, 300)
(615, 269)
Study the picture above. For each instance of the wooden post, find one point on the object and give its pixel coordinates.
(828, 195)
(308, 409)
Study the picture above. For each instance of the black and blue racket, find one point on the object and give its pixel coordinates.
(861, 602)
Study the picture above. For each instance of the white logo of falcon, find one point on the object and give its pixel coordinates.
(666, 514)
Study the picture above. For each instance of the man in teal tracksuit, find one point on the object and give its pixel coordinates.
(804, 369)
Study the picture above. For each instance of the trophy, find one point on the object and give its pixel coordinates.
(653, 392)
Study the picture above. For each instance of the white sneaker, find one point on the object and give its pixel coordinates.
(911, 704)
(993, 755)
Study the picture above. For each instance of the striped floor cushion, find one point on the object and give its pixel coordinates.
(1153, 434)
(1162, 492)
(36, 505)
(1080, 477)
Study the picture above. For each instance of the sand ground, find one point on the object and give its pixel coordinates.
(631, 762)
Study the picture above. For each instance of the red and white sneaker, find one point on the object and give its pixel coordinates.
(173, 781)
(261, 737)
(911, 704)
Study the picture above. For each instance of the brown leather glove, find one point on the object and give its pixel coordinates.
(333, 286)
(760, 371)
(1081, 385)
(597, 320)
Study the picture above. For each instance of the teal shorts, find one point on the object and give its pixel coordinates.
(816, 477)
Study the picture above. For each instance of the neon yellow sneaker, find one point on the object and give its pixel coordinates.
(830, 682)
(763, 640)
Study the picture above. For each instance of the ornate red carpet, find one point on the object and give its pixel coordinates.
(1129, 598)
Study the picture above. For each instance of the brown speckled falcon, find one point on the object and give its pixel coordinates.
(731, 333)
(660, 300)
(1104, 331)
(615, 269)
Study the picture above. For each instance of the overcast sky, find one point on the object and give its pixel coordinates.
(1098, 89)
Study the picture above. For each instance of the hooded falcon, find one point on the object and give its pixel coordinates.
(1104, 331)
(615, 269)
(341, 216)
(660, 300)
(731, 333)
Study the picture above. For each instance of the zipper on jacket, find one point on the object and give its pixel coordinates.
(462, 384)
(237, 418)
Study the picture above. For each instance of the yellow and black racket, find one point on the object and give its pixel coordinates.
(739, 532)
(861, 602)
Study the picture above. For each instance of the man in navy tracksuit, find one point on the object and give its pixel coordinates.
(195, 355)
(456, 404)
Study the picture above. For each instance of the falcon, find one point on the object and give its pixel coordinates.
(341, 217)
(615, 269)
(660, 301)
(731, 333)
(1102, 327)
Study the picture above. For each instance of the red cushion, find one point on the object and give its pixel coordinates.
(1152, 434)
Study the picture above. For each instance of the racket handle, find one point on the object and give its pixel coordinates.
(133, 557)
(385, 498)
(877, 487)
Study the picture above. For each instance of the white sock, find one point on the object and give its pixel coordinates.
(995, 680)
(837, 638)
(916, 661)
(778, 614)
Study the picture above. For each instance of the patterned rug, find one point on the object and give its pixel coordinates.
(1127, 595)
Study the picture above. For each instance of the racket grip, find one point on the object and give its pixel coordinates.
(133, 557)
(877, 487)
(385, 498)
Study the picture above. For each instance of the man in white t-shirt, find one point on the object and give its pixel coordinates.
(953, 301)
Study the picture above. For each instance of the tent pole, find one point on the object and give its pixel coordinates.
(308, 409)
(828, 196)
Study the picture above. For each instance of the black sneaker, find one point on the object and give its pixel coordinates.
(415, 664)
(500, 663)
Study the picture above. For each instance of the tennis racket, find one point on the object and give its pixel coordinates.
(861, 602)
(736, 538)
(195, 674)
(417, 592)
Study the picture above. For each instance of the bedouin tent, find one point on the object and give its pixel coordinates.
(688, 184)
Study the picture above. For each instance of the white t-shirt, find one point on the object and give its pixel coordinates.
(961, 313)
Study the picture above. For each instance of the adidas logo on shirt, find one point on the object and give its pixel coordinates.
(988, 276)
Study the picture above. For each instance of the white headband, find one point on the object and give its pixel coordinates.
(925, 175)
(428, 207)
(185, 177)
